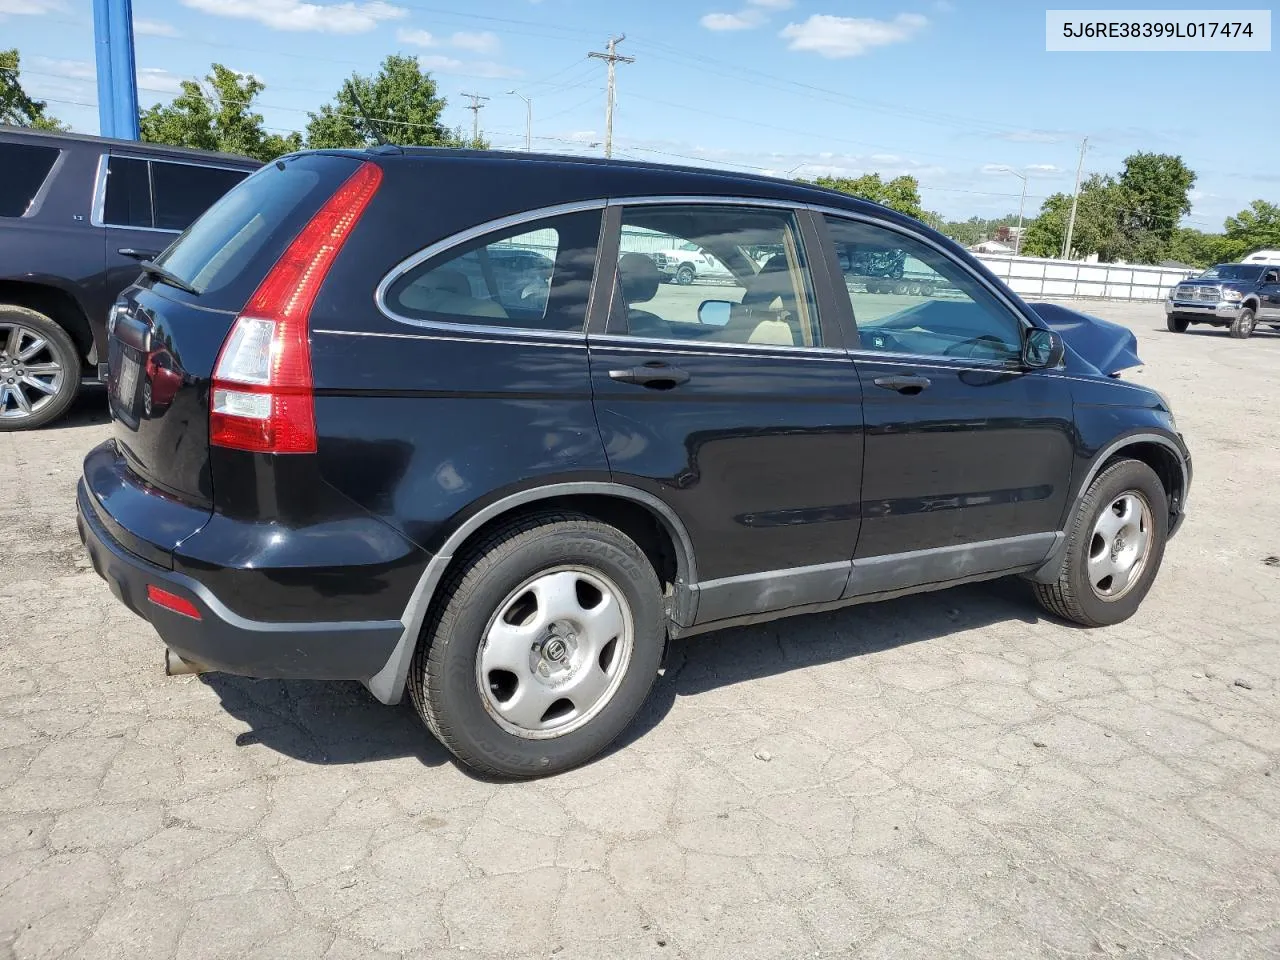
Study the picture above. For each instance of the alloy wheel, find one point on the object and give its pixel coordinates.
(1120, 546)
(30, 373)
(555, 652)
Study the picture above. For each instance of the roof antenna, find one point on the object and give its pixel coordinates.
(373, 127)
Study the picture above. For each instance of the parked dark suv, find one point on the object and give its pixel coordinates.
(77, 214)
(369, 464)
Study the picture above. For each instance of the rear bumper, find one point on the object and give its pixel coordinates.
(222, 639)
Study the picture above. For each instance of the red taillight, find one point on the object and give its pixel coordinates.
(262, 398)
(171, 601)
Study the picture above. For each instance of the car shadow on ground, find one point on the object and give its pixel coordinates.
(339, 723)
(1223, 332)
(88, 410)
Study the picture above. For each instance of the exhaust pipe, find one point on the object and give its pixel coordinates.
(175, 666)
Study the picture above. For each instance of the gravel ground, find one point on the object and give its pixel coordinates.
(950, 775)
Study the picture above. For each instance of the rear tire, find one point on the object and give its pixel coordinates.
(1102, 549)
(1242, 326)
(520, 615)
(39, 369)
(1177, 324)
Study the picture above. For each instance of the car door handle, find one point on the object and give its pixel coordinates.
(655, 376)
(136, 254)
(909, 386)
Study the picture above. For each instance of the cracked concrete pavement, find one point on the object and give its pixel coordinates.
(947, 775)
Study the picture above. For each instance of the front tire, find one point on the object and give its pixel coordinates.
(39, 369)
(684, 276)
(1114, 548)
(1242, 326)
(1177, 324)
(542, 647)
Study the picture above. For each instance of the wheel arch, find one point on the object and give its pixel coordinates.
(1159, 452)
(655, 527)
(55, 303)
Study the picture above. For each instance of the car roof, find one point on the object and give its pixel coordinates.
(55, 137)
(611, 177)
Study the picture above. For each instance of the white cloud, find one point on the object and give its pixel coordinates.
(419, 38)
(1034, 168)
(154, 28)
(836, 37)
(296, 15)
(483, 42)
(66, 69)
(487, 69)
(943, 6)
(29, 8)
(746, 20)
(156, 80)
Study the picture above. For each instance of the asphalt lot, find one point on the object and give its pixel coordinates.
(943, 776)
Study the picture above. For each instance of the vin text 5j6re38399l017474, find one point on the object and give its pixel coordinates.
(432, 420)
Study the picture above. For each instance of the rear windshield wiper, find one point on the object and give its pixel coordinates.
(172, 279)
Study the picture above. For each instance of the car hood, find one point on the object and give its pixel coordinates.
(1107, 347)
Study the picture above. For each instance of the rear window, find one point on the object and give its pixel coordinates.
(229, 249)
(25, 166)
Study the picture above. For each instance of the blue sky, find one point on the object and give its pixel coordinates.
(951, 91)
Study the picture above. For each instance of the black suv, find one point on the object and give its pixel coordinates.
(1234, 295)
(347, 447)
(77, 214)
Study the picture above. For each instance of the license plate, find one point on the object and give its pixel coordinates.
(127, 381)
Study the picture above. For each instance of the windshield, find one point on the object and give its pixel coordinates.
(1232, 271)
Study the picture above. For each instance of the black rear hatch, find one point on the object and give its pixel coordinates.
(168, 328)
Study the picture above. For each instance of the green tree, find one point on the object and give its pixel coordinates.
(400, 102)
(1155, 192)
(900, 193)
(1255, 228)
(1198, 248)
(220, 119)
(16, 106)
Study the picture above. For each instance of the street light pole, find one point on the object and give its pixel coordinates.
(528, 119)
(1017, 241)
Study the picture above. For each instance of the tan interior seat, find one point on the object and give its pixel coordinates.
(449, 292)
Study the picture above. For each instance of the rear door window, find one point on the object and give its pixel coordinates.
(183, 191)
(25, 166)
(536, 276)
(127, 201)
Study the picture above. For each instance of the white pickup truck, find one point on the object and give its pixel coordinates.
(689, 262)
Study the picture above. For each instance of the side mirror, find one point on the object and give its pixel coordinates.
(1042, 349)
(715, 313)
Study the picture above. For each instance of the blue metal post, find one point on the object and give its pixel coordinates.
(117, 78)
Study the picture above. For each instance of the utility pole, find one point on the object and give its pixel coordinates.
(1075, 200)
(613, 59)
(475, 108)
(1017, 241)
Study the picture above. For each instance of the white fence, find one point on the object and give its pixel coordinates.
(1034, 277)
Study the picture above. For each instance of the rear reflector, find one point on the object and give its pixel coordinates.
(262, 398)
(171, 601)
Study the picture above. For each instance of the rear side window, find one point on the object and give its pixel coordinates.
(230, 248)
(181, 192)
(536, 276)
(25, 166)
(128, 194)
